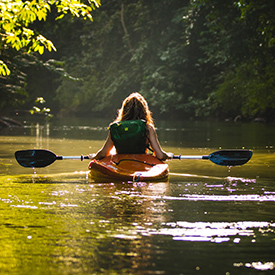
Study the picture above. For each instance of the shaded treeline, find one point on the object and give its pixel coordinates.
(199, 59)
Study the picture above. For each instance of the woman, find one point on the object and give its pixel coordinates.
(133, 130)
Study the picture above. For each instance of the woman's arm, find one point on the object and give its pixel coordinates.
(105, 150)
(160, 154)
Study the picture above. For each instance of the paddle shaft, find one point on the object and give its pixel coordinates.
(190, 157)
(174, 157)
(71, 157)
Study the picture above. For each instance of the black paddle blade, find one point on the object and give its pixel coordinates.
(35, 158)
(230, 157)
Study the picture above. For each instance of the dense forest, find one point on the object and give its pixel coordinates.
(190, 59)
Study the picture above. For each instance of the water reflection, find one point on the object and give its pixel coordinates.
(205, 218)
(107, 227)
(42, 135)
(210, 231)
(257, 265)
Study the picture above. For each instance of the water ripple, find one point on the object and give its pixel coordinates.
(196, 197)
(216, 232)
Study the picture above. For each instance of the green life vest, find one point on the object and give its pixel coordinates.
(129, 136)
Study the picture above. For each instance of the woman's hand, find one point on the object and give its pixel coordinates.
(170, 156)
(91, 156)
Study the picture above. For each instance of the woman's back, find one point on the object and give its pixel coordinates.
(129, 136)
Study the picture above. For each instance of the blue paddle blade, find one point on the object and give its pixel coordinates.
(35, 158)
(230, 157)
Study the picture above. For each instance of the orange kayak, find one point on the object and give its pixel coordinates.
(128, 167)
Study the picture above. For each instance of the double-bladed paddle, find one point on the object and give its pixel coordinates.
(224, 157)
(36, 158)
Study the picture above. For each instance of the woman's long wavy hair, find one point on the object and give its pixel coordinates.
(135, 107)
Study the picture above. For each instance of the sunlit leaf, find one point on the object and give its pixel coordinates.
(4, 70)
(41, 49)
(40, 100)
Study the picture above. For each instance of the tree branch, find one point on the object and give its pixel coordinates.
(127, 37)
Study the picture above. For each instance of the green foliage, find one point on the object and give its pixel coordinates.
(261, 13)
(17, 16)
(201, 58)
(21, 40)
(133, 47)
(41, 109)
(237, 38)
(247, 91)
(4, 70)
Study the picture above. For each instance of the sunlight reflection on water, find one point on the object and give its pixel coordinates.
(216, 232)
(257, 265)
(205, 218)
(252, 197)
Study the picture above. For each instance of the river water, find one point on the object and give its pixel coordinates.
(205, 219)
